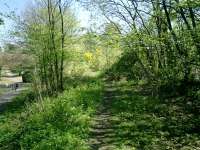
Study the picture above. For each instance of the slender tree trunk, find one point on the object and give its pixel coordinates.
(62, 47)
(170, 27)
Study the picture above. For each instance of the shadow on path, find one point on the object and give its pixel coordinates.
(103, 134)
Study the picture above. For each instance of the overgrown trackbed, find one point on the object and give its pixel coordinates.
(131, 118)
(103, 135)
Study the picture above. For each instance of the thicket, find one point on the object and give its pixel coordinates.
(53, 123)
(160, 38)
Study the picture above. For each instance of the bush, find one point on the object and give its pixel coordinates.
(27, 77)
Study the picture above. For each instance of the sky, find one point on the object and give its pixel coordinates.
(18, 6)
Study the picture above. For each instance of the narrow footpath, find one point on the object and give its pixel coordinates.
(109, 129)
(102, 130)
(103, 134)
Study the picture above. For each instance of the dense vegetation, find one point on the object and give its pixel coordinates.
(53, 123)
(149, 51)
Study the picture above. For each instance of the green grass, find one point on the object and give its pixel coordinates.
(60, 123)
(140, 119)
(146, 122)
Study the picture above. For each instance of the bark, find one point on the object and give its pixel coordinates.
(62, 47)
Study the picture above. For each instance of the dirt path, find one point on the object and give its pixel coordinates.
(8, 97)
(102, 130)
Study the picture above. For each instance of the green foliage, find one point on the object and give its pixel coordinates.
(191, 3)
(54, 123)
(27, 77)
(49, 40)
(158, 46)
(99, 50)
(146, 122)
(162, 44)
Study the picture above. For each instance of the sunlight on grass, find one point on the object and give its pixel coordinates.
(54, 123)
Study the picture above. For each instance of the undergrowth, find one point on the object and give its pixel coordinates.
(147, 122)
(60, 123)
